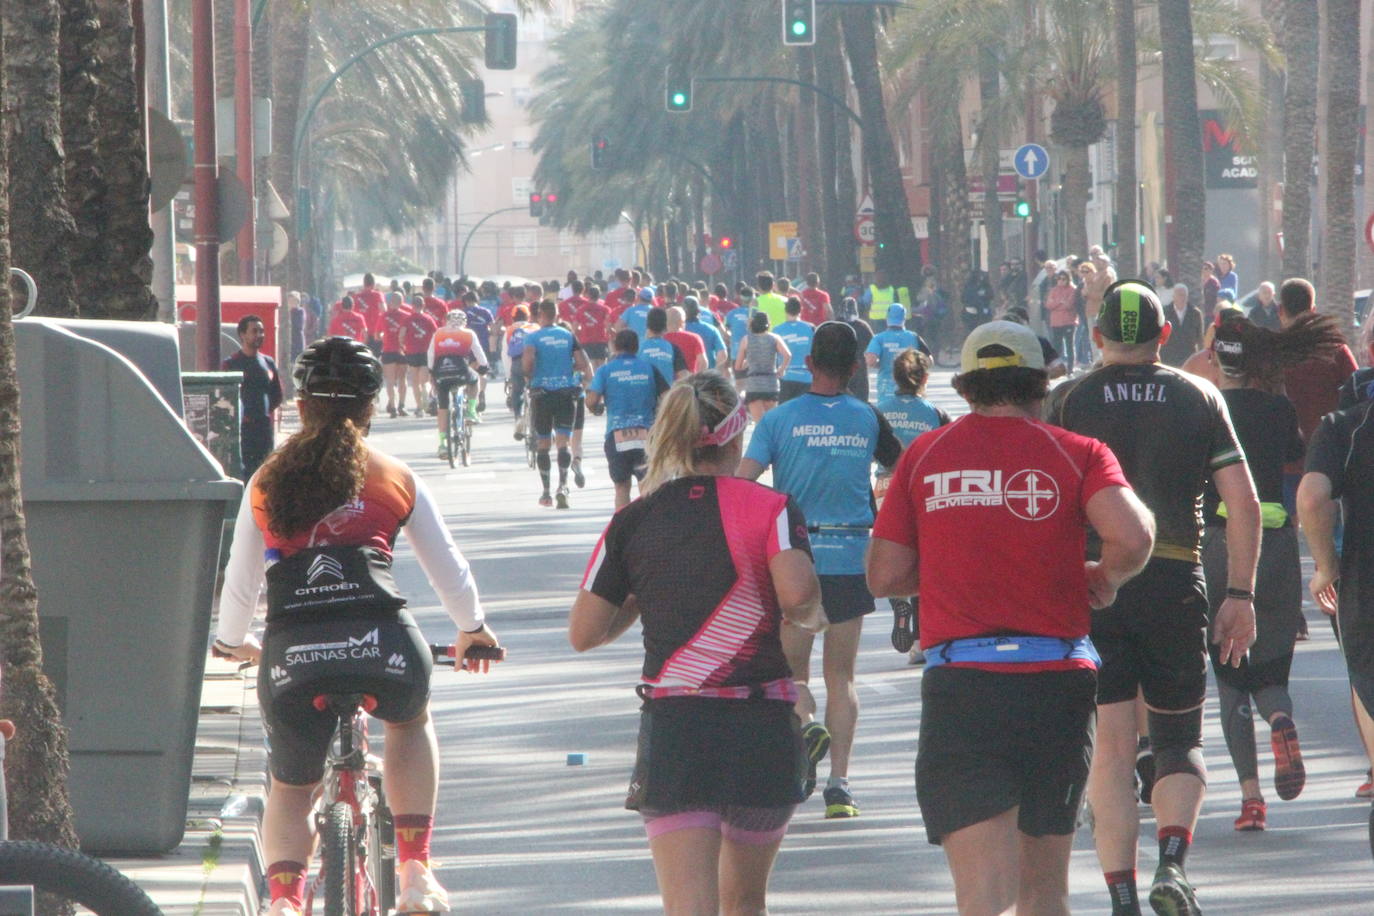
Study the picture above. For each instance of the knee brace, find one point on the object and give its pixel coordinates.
(1177, 741)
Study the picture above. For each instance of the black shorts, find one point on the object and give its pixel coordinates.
(787, 390)
(392, 358)
(624, 465)
(386, 657)
(752, 396)
(991, 742)
(442, 387)
(700, 753)
(845, 597)
(598, 351)
(554, 410)
(1155, 638)
(417, 360)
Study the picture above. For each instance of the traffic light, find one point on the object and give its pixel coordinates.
(600, 149)
(726, 243)
(536, 204)
(500, 41)
(799, 22)
(678, 91)
(474, 95)
(1022, 208)
(550, 205)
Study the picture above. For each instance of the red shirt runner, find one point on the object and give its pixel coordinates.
(693, 350)
(388, 328)
(372, 305)
(593, 323)
(348, 324)
(436, 309)
(418, 329)
(815, 306)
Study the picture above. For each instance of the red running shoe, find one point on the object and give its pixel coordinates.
(1252, 815)
(1366, 789)
(1289, 774)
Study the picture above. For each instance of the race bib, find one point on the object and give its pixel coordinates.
(630, 439)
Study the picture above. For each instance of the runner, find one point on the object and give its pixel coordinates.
(415, 335)
(692, 347)
(715, 778)
(635, 316)
(347, 322)
(737, 321)
(436, 307)
(848, 313)
(1007, 698)
(884, 347)
(821, 447)
(388, 330)
(768, 301)
(797, 335)
(1170, 430)
(627, 388)
(549, 360)
(593, 323)
(663, 354)
(515, 337)
(454, 351)
(815, 301)
(763, 358)
(717, 354)
(370, 302)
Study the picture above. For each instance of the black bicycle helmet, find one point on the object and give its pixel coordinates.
(338, 367)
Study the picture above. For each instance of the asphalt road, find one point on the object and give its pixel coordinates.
(521, 831)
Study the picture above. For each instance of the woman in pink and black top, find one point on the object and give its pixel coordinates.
(720, 759)
(1061, 314)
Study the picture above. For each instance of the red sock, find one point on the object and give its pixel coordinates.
(286, 880)
(1125, 897)
(412, 836)
(1173, 844)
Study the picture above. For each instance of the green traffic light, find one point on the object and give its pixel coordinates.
(679, 98)
(1023, 209)
(798, 27)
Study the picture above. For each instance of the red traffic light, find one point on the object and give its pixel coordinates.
(726, 242)
(536, 198)
(551, 198)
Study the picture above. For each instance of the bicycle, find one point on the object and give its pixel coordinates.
(357, 861)
(65, 873)
(458, 437)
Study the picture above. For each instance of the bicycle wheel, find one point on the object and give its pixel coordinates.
(74, 877)
(467, 442)
(340, 863)
(448, 439)
(381, 850)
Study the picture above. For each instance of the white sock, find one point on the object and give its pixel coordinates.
(837, 781)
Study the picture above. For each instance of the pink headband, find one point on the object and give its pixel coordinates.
(726, 429)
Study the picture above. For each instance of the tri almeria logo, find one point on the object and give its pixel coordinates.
(324, 565)
(1028, 494)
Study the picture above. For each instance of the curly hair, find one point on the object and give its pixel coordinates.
(1243, 349)
(320, 468)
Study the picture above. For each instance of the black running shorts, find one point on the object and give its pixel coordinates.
(393, 358)
(596, 351)
(991, 742)
(554, 410)
(1155, 638)
(845, 597)
(624, 465)
(788, 389)
(417, 360)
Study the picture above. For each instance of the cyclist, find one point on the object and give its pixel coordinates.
(326, 501)
(550, 358)
(716, 776)
(454, 351)
(514, 346)
(627, 388)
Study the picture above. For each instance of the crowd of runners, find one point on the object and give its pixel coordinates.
(1063, 560)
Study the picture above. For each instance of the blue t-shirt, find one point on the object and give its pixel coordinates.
(479, 322)
(636, 318)
(715, 344)
(822, 450)
(797, 335)
(886, 346)
(631, 386)
(664, 356)
(737, 323)
(910, 415)
(553, 358)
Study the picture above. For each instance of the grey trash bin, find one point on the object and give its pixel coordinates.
(124, 514)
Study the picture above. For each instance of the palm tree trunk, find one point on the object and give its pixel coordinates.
(947, 160)
(1077, 178)
(290, 24)
(899, 255)
(1298, 39)
(1341, 47)
(36, 762)
(813, 225)
(41, 225)
(1183, 143)
(126, 270)
(86, 191)
(1128, 249)
(837, 171)
(1270, 149)
(989, 154)
(1366, 254)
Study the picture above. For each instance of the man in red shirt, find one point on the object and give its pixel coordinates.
(985, 519)
(623, 295)
(511, 299)
(592, 324)
(415, 336)
(387, 330)
(347, 322)
(568, 308)
(436, 307)
(719, 303)
(693, 350)
(815, 301)
(370, 303)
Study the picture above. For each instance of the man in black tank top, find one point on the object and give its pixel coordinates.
(1170, 431)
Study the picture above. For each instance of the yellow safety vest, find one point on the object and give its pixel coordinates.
(882, 298)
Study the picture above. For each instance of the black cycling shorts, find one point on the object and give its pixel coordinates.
(442, 387)
(554, 411)
(991, 742)
(384, 656)
(845, 597)
(1155, 638)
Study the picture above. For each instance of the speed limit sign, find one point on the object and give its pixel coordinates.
(865, 230)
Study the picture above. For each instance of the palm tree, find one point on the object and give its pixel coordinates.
(41, 225)
(36, 764)
(1298, 39)
(80, 31)
(1342, 50)
(1123, 21)
(1186, 195)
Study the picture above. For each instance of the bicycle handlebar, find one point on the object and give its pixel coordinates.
(443, 654)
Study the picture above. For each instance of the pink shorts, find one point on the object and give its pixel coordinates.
(739, 824)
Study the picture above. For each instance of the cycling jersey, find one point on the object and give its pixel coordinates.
(737, 323)
(822, 448)
(348, 324)
(886, 345)
(416, 332)
(714, 620)
(636, 318)
(449, 352)
(710, 338)
(553, 358)
(910, 415)
(665, 357)
(1168, 429)
(630, 386)
(797, 335)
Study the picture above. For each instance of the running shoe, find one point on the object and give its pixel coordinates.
(391, 411)
(1366, 789)
(546, 500)
(578, 477)
(284, 907)
(1289, 773)
(817, 740)
(1171, 894)
(839, 803)
(561, 498)
(1145, 771)
(915, 656)
(401, 411)
(443, 450)
(417, 891)
(1252, 815)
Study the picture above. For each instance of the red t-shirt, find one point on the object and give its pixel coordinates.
(593, 323)
(373, 306)
(568, 308)
(995, 507)
(1312, 387)
(437, 309)
(506, 313)
(815, 305)
(619, 299)
(348, 324)
(419, 328)
(389, 327)
(720, 306)
(693, 350)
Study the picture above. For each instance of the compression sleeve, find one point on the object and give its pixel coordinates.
(238, 601)
(478, 353)
(445, 567)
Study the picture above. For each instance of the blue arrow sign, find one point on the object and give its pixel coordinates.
(1031, 161)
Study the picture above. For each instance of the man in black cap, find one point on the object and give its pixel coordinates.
(1170, 430)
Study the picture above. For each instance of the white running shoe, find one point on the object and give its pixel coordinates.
(283, 907)
(419, 892)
